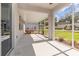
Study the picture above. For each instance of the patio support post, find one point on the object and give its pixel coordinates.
(0, 29)
(39, 28)
(53, 27)
(50, 25)
(24, 28)
(72, 26)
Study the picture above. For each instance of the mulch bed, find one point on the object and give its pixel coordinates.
(68, 42)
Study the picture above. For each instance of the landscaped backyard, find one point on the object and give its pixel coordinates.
(67, 35)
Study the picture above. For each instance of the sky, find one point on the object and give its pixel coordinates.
(66, 10)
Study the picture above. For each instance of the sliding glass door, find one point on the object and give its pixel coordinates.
(6, 28)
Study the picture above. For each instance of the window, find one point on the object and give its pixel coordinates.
(6, 28)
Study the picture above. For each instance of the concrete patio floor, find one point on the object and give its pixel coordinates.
(38, 45)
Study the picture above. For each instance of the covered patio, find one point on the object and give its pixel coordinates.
(37, 45)
(34, 29)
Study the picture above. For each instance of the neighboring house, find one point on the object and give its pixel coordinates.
(66, 22)
(66, 25)
(76, 26)
(62, 25)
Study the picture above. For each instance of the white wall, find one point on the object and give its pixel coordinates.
(16, 33)
(14, 24)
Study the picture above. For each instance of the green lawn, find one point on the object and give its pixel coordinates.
(46, 32)
(67, 35)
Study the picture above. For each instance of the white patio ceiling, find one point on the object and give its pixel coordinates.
(32, 17)
(35, 12)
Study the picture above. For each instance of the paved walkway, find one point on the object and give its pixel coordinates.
(38, 45)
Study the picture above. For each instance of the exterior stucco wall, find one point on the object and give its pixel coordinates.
(17, 34)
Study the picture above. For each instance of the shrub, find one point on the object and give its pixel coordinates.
(61, 39)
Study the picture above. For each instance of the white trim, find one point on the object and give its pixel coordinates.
(0, 29)
(72, 28)
(13, 19)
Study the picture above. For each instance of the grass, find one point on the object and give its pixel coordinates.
(67, 35)
(46, 32)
